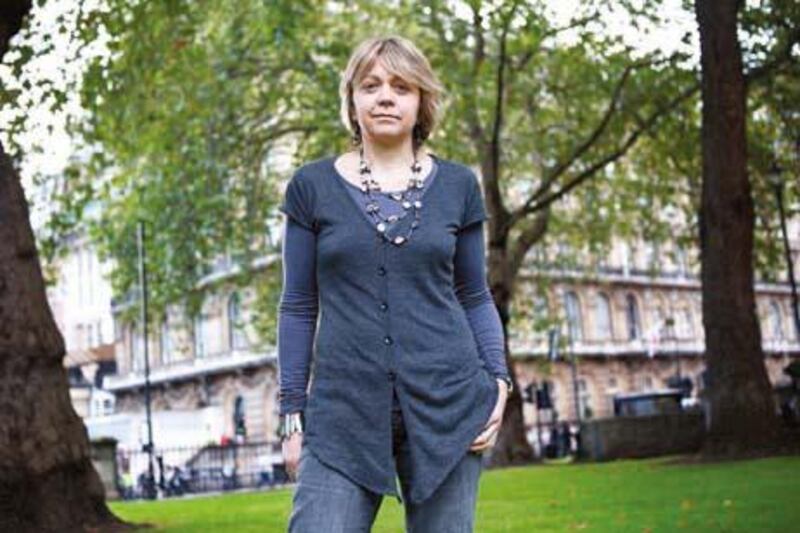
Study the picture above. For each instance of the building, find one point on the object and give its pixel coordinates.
(80, 300)
(632, 319)
(206, 371)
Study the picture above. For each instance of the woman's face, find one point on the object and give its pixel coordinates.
(386, 106)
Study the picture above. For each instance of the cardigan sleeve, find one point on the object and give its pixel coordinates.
(474, 210)
(298, 202)
(297, 316)
(473, 293)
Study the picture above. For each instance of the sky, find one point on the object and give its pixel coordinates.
(56, 65)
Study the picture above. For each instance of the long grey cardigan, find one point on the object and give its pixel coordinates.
(389, 318)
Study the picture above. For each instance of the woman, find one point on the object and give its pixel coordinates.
(409, 380)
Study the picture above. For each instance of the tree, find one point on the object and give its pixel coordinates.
(211, 94)
(556, 118)
(742, 410)
(47, 481)
(560, 119)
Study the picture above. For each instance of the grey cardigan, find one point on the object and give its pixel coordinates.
(389, 318)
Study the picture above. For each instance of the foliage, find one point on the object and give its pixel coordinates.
(190, 107)
(648, 495)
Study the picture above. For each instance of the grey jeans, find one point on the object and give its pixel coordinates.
(325, 501)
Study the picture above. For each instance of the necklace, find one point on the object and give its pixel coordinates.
(408, 198)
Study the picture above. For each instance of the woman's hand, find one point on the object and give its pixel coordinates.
(488, 436)
(291, 447)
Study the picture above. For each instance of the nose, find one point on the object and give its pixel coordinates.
(385, 95)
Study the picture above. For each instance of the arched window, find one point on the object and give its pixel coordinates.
(775, 321)
(632, 317)
(602, 317)
(573, 309)
(237, 339)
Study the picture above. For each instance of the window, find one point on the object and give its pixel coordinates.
(775, 321)
(237, 338)
(652, 255)
(602, 317)
(659, 323)
(682, 261)
(137, 348)
(552, 392)
(79, 337)
(632, 317)
(584, 399)
(573, 310)
(165, 340)
(199, 336)
(686, 324)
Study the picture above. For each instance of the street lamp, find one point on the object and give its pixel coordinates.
(776, 181)
(150, 490)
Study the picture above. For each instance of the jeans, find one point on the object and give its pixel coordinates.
(325, 501)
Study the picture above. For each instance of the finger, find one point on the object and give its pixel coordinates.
(481, 448)
(487, 443)
(488, 432)
(482, 441)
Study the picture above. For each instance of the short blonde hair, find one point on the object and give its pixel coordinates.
(401, 58)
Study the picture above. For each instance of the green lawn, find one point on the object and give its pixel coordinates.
(753, 496)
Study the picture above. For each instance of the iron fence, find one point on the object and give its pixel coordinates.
(197, 469)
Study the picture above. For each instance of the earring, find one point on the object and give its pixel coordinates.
(416, 134)
(356, 137)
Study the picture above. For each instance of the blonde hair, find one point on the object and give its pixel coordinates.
(401, 58)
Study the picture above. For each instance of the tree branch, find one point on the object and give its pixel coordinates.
(582, 148)
(478, 57)
(527, 238)
(646, 126)
(493, 186)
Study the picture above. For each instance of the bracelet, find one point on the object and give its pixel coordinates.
(291, 423)
(509, 383)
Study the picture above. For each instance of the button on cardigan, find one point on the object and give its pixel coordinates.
(420, 347)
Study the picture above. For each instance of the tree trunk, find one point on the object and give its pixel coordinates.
(512, 446)
(47, 482)
(741, 408)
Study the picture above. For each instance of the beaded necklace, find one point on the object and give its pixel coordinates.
(408, 198)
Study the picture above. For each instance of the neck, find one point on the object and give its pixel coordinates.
(390, 157)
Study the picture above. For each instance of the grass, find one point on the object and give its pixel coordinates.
(760, 495)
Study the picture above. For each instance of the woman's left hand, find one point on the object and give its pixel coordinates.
(488, 436)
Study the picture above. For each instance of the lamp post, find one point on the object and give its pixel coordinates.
(776, 181)
(150, 490)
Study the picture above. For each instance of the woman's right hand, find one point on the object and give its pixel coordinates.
(291, 447)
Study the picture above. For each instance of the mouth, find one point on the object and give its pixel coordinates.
(386, 116)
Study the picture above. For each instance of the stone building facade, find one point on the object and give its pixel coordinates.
(205, 371)
(631, 331)
(632, 318)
